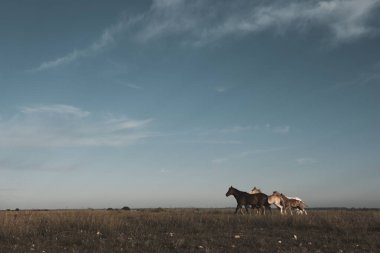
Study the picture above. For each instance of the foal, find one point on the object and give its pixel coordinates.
(292, 203)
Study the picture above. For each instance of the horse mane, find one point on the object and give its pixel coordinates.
(236, 190)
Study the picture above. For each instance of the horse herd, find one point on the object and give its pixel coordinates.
(256, 199)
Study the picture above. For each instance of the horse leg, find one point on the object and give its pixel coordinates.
(280, 207)
(302, 208)
(261, 210)
(269, 208)
(237, 208)
(246, 209)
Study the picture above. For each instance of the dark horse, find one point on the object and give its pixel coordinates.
(257, 200)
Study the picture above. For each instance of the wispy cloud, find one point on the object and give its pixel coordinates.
(12, 162)
(219, 136)
(284, 129)
(241, 129)
(216, 142)
(234, 129)
(281, 129)
(60, 61)
(368, 77)
(122, 123)
(133, 86)
(372, 75)
(55, 109)
(221, 89)
(164, 171)
(204, 22)
(106, 39)
(69, 126)
(200, 23)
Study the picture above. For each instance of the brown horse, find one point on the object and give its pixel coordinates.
(258, 200)
(271, 200)
(289, 204)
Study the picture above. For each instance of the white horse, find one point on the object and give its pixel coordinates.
(272, 199)
(255, 190)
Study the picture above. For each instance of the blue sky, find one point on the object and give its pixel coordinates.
(168, 103)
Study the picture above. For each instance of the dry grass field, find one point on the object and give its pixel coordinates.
(188, 230)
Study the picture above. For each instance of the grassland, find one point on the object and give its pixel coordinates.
(188, 230)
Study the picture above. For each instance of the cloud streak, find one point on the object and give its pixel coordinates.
(281, 129)
(105, 40)
(205, 22)
(201, 23)
(55, 126)
(55, 109)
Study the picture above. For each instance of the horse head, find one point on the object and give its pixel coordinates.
(230, 191)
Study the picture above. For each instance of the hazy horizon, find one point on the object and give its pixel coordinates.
(167, 103)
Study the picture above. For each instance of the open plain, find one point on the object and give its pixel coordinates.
(188, 230)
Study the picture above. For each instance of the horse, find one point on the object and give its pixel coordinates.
(276, 200)
(257, 200)
(255, 190)
(299, 199)
(292, 203)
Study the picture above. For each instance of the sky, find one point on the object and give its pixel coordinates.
(167, 103)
